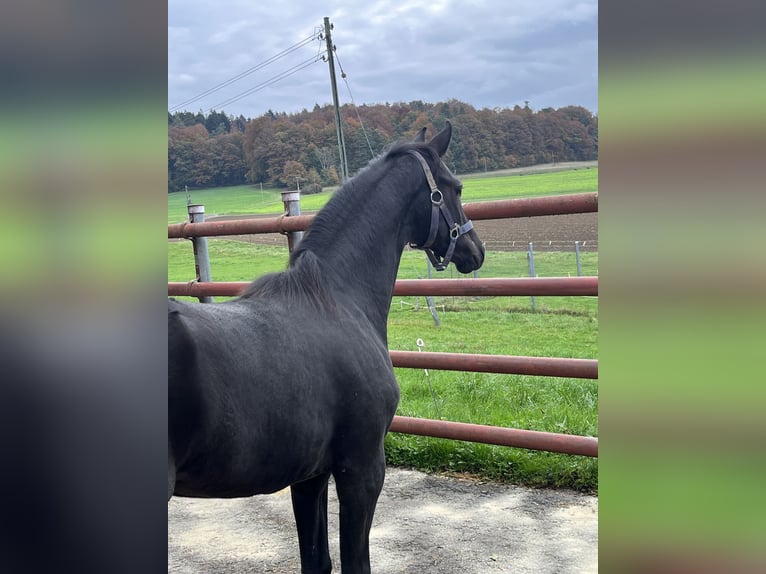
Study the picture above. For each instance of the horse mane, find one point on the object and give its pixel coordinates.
(300, 284)
(344, 201)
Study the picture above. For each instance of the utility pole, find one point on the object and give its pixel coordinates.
(338, 126)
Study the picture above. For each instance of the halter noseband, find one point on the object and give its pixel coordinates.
(437, 207)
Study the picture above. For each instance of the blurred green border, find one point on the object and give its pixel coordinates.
(705, 93)
(682, 311)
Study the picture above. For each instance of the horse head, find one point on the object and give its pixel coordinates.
(441, 227)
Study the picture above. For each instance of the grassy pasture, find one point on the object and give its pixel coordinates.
(248, 199)
(530, 185)
(235, 200)
(561, 327)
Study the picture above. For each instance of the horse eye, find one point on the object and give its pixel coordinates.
(459, 191)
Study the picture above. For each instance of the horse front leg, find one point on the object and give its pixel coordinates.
(358, 491)
(310, 510)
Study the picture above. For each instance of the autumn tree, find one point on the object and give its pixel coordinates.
(313, 182)
(215, 149)
(217, 123)
(189, 157)
(292, 173)
(323, 156)
(330, 176)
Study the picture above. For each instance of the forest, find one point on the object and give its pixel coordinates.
(285, 150)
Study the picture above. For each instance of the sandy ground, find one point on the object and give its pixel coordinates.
(423, 524)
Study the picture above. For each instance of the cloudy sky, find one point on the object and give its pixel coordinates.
(486, 53)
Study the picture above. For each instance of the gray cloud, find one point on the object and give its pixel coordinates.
(487, 54)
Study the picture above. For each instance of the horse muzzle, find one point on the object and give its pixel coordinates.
(469, 253)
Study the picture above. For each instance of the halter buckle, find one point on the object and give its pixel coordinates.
(434, 194)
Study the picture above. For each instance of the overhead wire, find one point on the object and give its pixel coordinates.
(356, 108)
(270, 81)
(247, 72)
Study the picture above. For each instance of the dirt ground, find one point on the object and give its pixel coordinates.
(423, 524)
(547, 233)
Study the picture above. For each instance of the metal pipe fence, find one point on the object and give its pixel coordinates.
(503, 209)
(531, 286)
(519, 438)
(489, 287)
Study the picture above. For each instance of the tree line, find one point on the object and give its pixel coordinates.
(280, 149)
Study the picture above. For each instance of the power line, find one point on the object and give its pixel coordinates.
(356, 108)
(247, 72)
(270, 81)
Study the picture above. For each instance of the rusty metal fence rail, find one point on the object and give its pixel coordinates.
(547, 286)
(491, 287)
(504, 209)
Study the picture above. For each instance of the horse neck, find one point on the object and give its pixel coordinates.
(359, 238)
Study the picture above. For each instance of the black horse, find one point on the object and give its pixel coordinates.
(292, 381)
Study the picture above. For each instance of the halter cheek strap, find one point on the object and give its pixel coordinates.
(438, 207)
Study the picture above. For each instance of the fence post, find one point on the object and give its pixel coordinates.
(577, 256)
(531, 261)
(292, 201)
(199, 245)
(430, 300)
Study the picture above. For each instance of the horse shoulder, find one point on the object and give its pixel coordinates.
(364, 369)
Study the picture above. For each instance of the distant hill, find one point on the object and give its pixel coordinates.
(278, 148)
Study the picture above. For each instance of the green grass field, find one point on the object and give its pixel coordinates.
(560, 327)
(247, 199)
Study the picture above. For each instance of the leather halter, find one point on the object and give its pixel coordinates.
(438, 207)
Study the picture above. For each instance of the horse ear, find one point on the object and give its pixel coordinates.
(440, 141)
(421, 137)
